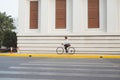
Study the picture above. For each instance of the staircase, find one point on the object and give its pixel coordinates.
(106, 44)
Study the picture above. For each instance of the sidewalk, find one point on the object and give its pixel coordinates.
(61, 56)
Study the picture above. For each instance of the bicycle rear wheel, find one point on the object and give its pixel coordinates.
(60, 50)
(71, 50)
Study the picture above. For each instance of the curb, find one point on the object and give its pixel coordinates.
(60, 56)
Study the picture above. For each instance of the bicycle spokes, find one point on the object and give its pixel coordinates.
(59, 50)
(71, 50)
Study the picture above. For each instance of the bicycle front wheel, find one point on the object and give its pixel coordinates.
(71, 50)
(60, 50)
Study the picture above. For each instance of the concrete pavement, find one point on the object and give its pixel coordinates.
(25, 68)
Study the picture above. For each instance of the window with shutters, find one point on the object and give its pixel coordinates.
(60, 14)
(93, 13)
(33, 14)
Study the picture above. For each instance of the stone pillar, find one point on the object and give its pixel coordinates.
(112, 16)
(45, 14)
(79, 15)
(21, 21)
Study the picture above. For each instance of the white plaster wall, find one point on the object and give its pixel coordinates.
(102, 18)
(101, 40)
(46, 20)
(76, 16)
(24, 17)
(27, 16)
(80, 17)
(69, 25)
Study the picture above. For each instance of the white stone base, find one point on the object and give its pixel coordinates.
(109, 44)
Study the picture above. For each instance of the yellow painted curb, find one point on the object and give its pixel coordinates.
(112, 56)
(60, 56)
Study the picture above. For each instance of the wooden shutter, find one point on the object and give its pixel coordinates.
(60, 14)
(33, 14)
(93, 13)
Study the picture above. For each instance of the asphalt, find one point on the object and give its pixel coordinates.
(25, 68)
(50, 55)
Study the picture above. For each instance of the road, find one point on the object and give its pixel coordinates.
(14, 68)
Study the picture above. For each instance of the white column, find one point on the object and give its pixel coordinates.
(103, 15)
(69, 14)
(45, 14)
(78, 15)
(39, 15)
(21, 21)
(118, 15)
(112, 16)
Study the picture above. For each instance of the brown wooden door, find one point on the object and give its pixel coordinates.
(93, 13)
(60, 14)
(33, 14)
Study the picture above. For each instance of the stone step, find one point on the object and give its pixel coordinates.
(79, 45)
(91, 44)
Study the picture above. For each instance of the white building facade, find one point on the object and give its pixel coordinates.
(92, 26)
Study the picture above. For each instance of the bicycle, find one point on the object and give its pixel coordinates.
(61, 50)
